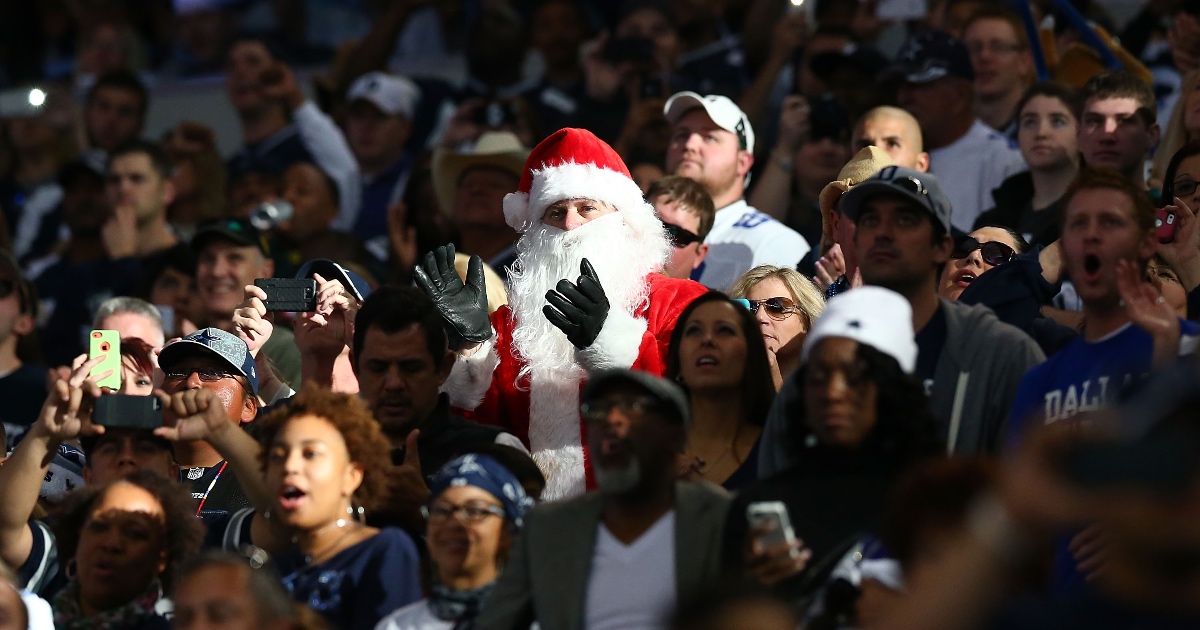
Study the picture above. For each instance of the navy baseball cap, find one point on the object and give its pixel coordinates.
(352, 282)
(911, 184)
(216, 342)
(932, 55)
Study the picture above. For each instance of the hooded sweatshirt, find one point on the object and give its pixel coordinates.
(976, 380)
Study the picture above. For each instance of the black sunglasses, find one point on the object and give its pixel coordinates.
(993, 252)
(681, 237)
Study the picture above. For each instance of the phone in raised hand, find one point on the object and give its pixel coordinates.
(107, 344)
(771, 517)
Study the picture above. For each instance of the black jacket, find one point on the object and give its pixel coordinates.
(1014, 200)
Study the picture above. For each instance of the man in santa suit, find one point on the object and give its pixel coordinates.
(580, 216)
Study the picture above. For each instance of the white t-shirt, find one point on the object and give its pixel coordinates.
(632, 586)
(414, 616)
(743, 238)
(970, 168)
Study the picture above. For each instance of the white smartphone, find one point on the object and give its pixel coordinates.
(773, 517)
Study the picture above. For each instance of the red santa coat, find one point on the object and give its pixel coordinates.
(543, 409)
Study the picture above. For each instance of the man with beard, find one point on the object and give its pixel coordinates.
(579, 212)
(572, 566)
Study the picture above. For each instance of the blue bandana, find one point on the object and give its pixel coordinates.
(487, 474)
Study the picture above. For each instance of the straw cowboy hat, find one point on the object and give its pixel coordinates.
(865, 163)
(500, 149)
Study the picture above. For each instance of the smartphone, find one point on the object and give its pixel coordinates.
(772, 515)
(289, 295)
(1165, 225)
(128, 412)
(107, 344)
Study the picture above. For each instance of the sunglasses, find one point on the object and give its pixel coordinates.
(993, 253)
(778, 308)
(681, 237)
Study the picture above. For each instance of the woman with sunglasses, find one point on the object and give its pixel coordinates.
(718, 356)
(785, 303)
(473, 515)
(319, 465)
(976, 254)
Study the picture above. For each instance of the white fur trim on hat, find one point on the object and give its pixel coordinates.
(617, 344)
(572, 181)
(471, 376)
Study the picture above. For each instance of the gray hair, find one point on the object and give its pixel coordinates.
(272, 604)
(125, 304)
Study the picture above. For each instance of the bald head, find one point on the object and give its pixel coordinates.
(896, 132)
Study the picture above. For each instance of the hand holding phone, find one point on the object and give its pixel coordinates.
(1166, 223)
(291, 295)
(106, 344)
(128, 412)
(771, 517)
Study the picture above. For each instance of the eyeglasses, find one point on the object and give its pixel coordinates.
(993, 252)
(778, 308)
(681, 237)
(598, 410)
(208, 375)
(469, 514)
(1184, 188)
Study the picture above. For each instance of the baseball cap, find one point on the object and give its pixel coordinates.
(724, 112)
(665, 391)
(857, 57)
(216, 342)
(393, 95)
(238, 231)
(931, 55)
(921, 188)
(352, 282)
(875, 316)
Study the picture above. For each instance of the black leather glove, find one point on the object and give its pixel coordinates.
(579, 309)
(463, 306)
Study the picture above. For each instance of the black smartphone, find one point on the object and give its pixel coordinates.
(128, 412)
(289, 295)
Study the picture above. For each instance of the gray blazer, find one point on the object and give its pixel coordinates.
(546, 577)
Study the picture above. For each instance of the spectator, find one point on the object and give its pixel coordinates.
(896, 132)
(1118, 128)
(687, 212)
(133, 318)
(214, 360)
(476, 508)
(199, 178)
(785, 304)
(557, 32)
(975, 254)
(1047, 132)
(570, 566)
(380, 112)
(717, 356)
(837, 269)
(579, 212)
(152, 521)
(331, 561)
(951, 16)
(936, 88)
(1166, 280)
(999, 48)
(741, 236)
(202, 32)
(137, 369)
(863, 421)
(1183, 173)
(139, 189)
(280, 126)
(1182, 129)
(169, 284)
(471, 187)
(114, 112)
(218, 588)
(313, 196)
(21, 609)
(711, 56)
(230, 254)
(23, 384)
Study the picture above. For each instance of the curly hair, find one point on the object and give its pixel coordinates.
(758, 388)
(184, 532)
(365, 442)
(904, 426)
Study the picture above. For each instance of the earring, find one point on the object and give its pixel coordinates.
(356, 513)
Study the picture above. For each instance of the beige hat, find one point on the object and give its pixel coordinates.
(501, 149)
(865, 163)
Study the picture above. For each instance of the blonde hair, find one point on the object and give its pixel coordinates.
(1176, 135)
(804, 292)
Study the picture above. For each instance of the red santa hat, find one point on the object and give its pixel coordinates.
(572, 164)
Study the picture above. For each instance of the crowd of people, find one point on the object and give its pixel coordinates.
(580, 314)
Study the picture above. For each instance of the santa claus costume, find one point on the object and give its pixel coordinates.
(528, 376)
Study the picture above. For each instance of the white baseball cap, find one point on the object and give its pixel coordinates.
(393, 95)
(724, 112)
(875, 316)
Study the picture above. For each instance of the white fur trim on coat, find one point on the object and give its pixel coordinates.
(555, 437)
(616, 346)
(471, 376)
(572, 181)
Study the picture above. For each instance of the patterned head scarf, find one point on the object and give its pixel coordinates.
(488, 475)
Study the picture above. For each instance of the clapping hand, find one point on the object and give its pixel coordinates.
(463, 305)
(579, 309)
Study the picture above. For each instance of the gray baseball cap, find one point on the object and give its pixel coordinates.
(898, 181)
(665, 391)
(216, 342)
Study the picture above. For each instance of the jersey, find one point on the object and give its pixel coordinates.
(970, 168)
(743, 238)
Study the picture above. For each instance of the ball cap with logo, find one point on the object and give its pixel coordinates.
(215, 342)
(899, 181)
(724, 112)
(393, 95)
(875, 316)
(932, 55)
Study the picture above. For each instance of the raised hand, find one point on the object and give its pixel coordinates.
(1183, 252)
(67, 412)
(250, 320)
(463, 305)
(1144, 304)
(579, 309)
(830, 267)
(192, 414)
(330, 328)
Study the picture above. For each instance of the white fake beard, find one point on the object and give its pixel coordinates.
(622, 257)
